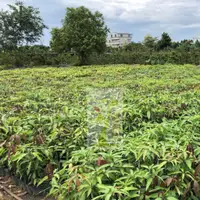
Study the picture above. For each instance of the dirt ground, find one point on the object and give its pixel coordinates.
(9, 191)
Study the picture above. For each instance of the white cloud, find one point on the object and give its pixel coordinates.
(180, 18)
(183, 12)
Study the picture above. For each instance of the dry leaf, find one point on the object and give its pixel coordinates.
(196, 187)
(49, 170)
(155, 181)
(97, 109)
(101, 162)
(197, 170)
(17, 139)
(168, 181)
(190, 149)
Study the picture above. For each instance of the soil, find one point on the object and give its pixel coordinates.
(9, 191)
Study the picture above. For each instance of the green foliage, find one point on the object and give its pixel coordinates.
(81, 40)
(150, 42)
(33, 56)
(82, 31)
(20, 25)
(165, 42)
(58, 42)
(146, 57)
(39, 55)
(44, 127)
(135, 47)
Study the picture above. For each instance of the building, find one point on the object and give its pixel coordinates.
(119, 39)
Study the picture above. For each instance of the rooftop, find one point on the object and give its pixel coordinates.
(121, 33)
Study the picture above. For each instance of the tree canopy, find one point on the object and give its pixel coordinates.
(165, 42)
(20, 25)
(149, 41)
(83, 31)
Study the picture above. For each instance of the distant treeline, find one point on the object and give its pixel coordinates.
(80, 41)
(185, 52)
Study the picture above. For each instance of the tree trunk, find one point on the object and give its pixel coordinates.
(83, 58)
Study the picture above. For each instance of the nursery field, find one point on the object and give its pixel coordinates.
(103, 132)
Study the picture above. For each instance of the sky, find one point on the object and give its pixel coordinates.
(179, 18)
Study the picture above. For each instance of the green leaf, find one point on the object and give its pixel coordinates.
(189, 164)
(42, 180)
(108, 196)
(130, 188)
(18, 157)
(148, 115)
(171, 198)
(134, 195)
(36, 155)
(99, 180)
(178, 190)
(29, 168)
(149, 181)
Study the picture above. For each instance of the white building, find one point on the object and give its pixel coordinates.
(119, 39)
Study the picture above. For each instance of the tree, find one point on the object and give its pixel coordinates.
(197, 44)
(149, 41)
(20, 25)
(186, 45)
(165, 42)
(175, 45)
(58, 43)
(137, 47)
(83, 31)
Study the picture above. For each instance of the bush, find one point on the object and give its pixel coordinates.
(30, 57)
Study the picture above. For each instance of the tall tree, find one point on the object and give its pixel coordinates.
(197, 44)
(83, 31)
(165, 42)
(20, 25)
(149, 41)
(58, 43)
(175, 44)
(186, 45)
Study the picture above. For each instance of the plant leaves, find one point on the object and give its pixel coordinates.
(187, 189)
(42, 180)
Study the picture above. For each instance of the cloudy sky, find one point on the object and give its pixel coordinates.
(180, 18)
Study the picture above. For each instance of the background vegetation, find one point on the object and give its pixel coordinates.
(81, 41)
